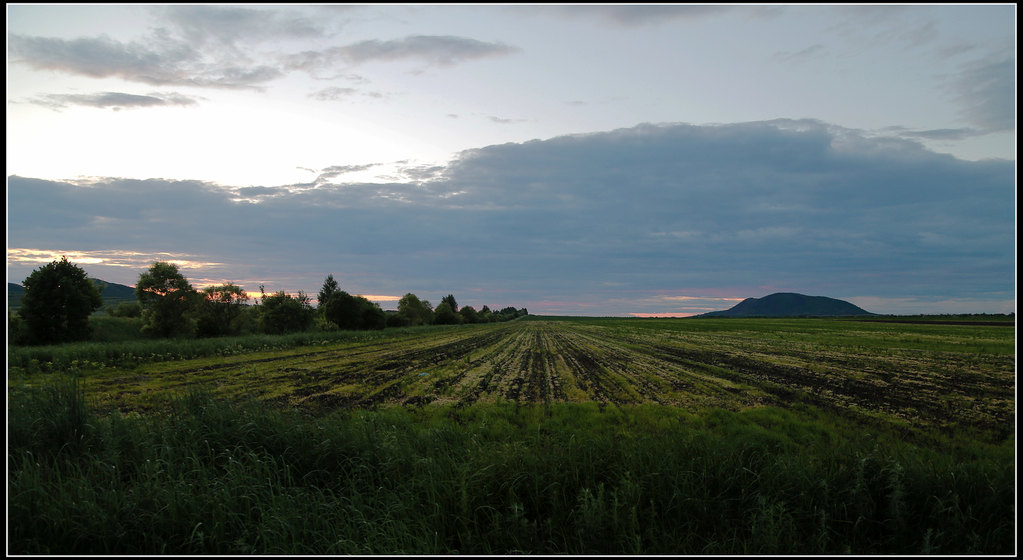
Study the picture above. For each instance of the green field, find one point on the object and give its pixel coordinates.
(546, 435)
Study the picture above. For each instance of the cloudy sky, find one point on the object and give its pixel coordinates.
(573, 160)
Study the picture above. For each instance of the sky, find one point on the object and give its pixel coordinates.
(599, 160)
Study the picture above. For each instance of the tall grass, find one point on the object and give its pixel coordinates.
(212, 477)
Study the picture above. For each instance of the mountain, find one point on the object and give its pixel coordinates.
(14, 294)
(114, 292)
(790, 305)
(111, 293)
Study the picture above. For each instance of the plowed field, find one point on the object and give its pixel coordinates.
(938, 375)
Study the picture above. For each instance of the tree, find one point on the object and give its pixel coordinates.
(221, 306)
(373, 317)
(414, 310)
(344, 310)
(469, 314)
(167, 301)
(58, 300)
(330, 287)
(450, 300)
(350, 312)
(280, 313)
(445, 315)
(395, 319)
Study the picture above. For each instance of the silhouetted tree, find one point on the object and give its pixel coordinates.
(395, 319)
(220, 308)
(330, 287)
(281, 313)
(350, 312)
(373, 317)
(344, 310)
(58, 300)
(167, 300)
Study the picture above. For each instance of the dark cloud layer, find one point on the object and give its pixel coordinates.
(602, 220)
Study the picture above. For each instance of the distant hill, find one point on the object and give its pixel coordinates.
(790, 305)
(14, 294)
(112, 294)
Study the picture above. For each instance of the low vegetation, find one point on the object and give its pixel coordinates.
(541, 435)
(60, 304)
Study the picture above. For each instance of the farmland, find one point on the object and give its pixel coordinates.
(944, 376)
(545, 435)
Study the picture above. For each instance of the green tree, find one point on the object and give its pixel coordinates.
(58, 300)
(281, 313)
(373, 317)
(450, 300)
(330, 287)
(414, 310)
(469, 314)
(220, 309)
(167, 301)
(445, 315)
(350, 312)
(344, 310)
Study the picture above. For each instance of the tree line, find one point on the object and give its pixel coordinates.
(59, 298)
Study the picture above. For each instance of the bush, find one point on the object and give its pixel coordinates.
(125, 309)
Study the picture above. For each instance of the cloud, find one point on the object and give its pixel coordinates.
(437, 50)
(600, 223)
(809, 52)
(114, 100)
(987, 91)
(334, 93)
(199, 46)
(107, 258)
(162, 61)
(641, 15)
(500, 120)
(339, 93)
(935, 134)
(229, 25)
(234, 47)
(335, 171)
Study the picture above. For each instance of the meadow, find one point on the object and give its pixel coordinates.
(541, 435)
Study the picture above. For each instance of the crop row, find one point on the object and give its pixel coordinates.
(544, 361)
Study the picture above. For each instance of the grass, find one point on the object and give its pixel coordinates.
(208, 476)
(582, 436)
(120, 347)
